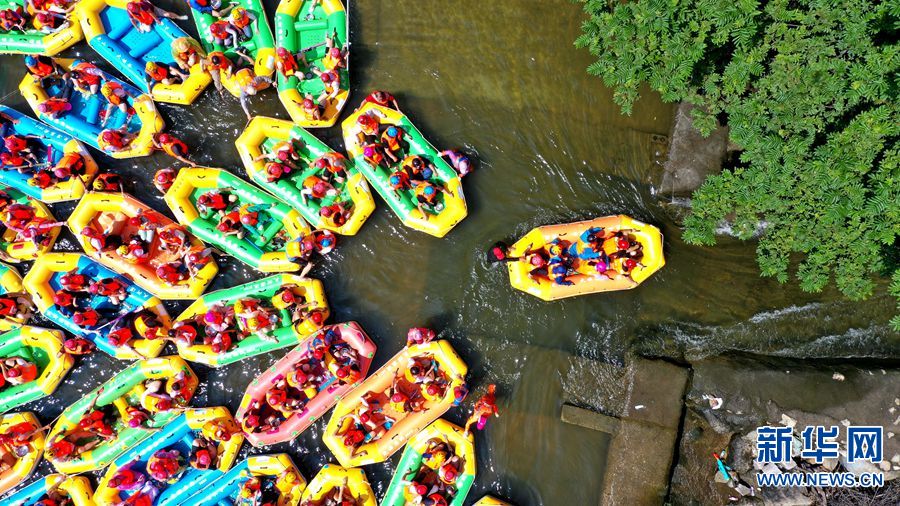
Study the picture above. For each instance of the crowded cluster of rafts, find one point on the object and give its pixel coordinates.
(138, 428)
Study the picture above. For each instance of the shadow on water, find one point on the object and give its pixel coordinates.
(502, 80)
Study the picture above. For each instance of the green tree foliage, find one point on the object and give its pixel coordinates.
(808, 89)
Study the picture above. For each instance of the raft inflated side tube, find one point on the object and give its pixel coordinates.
(178, 435)
(491, 501)
(262, 133)
(404, 205)
(294, 32)
(585, 282)
(55, 145)
(122, 206)
(413, 459)
(289, 482)
(332, 477)
(407, 424)
(14, 250)
(11, 282)
(43, 348)
(121, 391)
(260, 46)
(42, 281)
(110, 33)
(329, 394)
(34, 41)
(84, 122)
(193, 182)
(285, 334)
(23, 467)
(76, 488)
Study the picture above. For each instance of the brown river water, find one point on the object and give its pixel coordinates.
(503, 81)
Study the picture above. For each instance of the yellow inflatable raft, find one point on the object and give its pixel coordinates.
(130, 410)
(11, 284)
(44, 349)
(20, 469)
(599, 268)
(56, 487)
(15, 247)
(332, 477)
(491, 501)
(407, 421)
(109, 213)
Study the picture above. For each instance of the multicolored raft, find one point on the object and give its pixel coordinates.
(143, 245)
(175, 463)
(98, 306)
(61, 169)
(33, 365)
(301, 387)
(30, 230)
(15, 303)
(298, 168)
(301, 28)
(259, 46)
(110, 32)
(229, 325)
(412, 390)
(237, 217)
(92, 117)
(42, 34)
(264, 479)
(600, 255)
(339, 484)
(57, 488)
(22, 446)
(441, 456)
(405, 169)
(121, 413)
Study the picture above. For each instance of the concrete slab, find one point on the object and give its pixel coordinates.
(637, 472)
(657, 391)
(589, 419)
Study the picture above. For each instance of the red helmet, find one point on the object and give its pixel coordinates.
(316, 317)
(335, 52)
(630, 264)
(364, 119)
(321, 163)
(308, 104)
(623, 243)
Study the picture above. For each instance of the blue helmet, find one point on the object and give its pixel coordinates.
(427, 173)
(327, 242)
(392, 131)
(395, 180)
(429, 190)
(30, 60)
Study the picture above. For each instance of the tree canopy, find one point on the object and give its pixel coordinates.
(808, 89)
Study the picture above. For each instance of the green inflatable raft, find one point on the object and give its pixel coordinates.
(44, 349)
(270, 224)
(35, 41)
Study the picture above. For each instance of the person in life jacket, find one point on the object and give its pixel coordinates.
(86, 78)
(275, 171)
(204, 453)
(126, 478)
(48, 22)
(458, 160)
(335, 58)
(283, 151)
(54, 107)
(484, 408)
(336, 215)
(173, 238)
(286, 62)
(418, 168)
(18, 371)
(164, 178)
(368, 129)
(16, 307)
(196, 258)
(211, 7)
(18, 145)
(311, 109)
(250, 84)
(427, 198)
(187, 52)
(17, 216)
(14, 161)
(224, 34)
(43, 68)
(12, 19)
(374, 156)
(172, 146)
(243, 20)
(392, 141)
(381, 98)
(116, 98)
(74, 281)
(172, 273)
(164, 465)
(316, 188)
(79, 346)
(135, 251)
(86, 319)
(116, 140)
(230, 224)
(219, 66)
(107, 182)
(215, 201)
(157, 72)
(111, 288)
(331, 80)
(332, 166)
(143, 15)
(71, 164)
